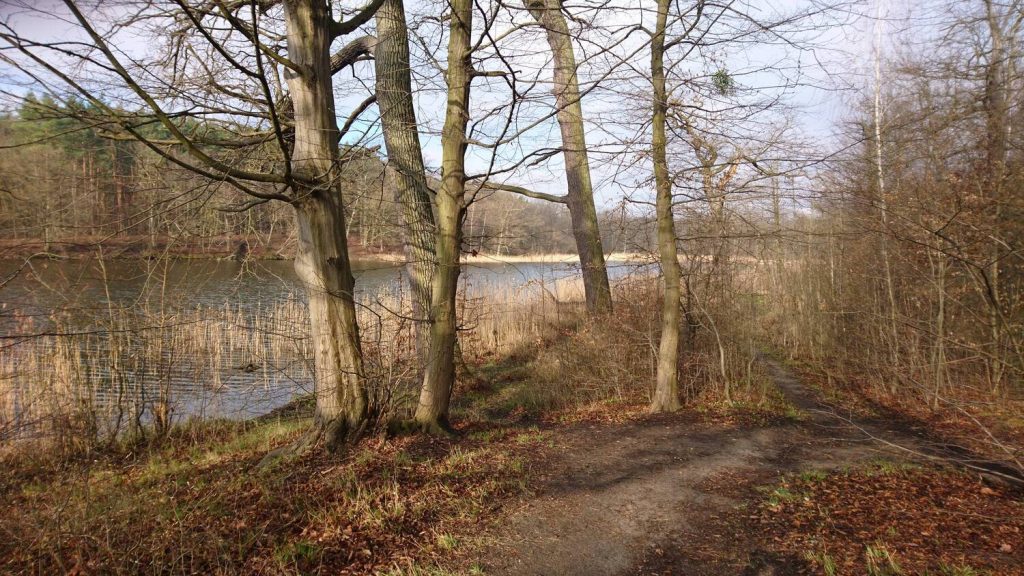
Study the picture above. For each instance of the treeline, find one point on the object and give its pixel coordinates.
(912, 276)
(67, 186)
(68, 183)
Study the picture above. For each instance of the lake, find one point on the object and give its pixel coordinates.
(45, 286)
(220, 338)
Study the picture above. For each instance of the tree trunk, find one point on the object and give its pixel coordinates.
(939, 348)
(666, 390)
(720, 257)
(996, 126)
(580, 191)
(398, 122)
(779, 260)
(322, 260)
(883, 208)
(435, 394)
(321, 263)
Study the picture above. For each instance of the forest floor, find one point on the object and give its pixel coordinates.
(795, 487)
(816, 492)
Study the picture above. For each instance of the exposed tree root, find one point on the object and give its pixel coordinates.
(335, 436)
(409, 427)
(660, 405)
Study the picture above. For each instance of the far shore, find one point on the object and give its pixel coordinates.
(120, 248)
(615, 257)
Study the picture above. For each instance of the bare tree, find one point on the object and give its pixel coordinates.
(580, 192)
(255, 45)
(439, 376)
(666, 391)
(883, 215)
(1003, 22)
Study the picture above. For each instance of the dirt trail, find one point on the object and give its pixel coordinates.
(664, 496)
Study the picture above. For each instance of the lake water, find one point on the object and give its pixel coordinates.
(44, 286)
(260, 370)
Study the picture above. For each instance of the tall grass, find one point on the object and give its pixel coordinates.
(85, 379)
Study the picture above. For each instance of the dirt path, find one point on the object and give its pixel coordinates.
(665, 495)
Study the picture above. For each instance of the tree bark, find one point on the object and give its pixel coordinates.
(439, 378)
(580, 191)
(321, 263)
(322, 260)
(996, 126)
(666, 390)
(405, 156)
(779, 260)
(883, 209)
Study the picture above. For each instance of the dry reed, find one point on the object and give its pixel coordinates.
(85, 379)
(88, 379)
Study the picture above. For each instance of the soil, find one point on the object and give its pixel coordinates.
(674, 494)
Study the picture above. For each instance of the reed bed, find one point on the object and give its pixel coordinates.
(86, 378)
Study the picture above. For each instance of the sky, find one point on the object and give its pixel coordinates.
(830, 66)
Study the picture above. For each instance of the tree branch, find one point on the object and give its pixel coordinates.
(523, 192)
(350, 53)
(171, 127)
(361, 17)
(355, 115)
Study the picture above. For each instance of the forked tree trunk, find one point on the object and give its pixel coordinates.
(580, 191)
(439, 378)
(666, 390)
(322, 260)
(405, 157)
